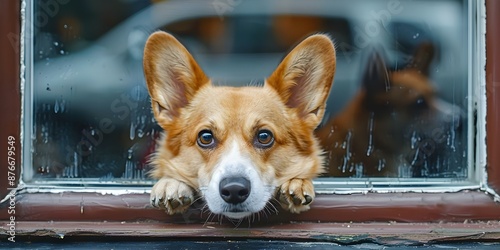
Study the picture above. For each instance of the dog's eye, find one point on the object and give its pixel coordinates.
(264, 138)
(206, 139)
(420, 104)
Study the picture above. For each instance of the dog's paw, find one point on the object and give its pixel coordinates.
(172, 195)
(295, 195)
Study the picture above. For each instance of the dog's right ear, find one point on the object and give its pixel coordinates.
(422, 58)
(376, 76)
(173, 77)
(304, 78)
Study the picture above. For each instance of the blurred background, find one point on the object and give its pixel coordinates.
(92, 121)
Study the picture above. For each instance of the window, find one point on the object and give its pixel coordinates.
(87, 127)
(107, 140)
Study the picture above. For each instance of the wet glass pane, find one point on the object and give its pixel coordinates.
(399, 106)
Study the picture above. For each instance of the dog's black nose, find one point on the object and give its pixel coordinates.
(234, 190)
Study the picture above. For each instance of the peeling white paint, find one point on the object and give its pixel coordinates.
(477, 79)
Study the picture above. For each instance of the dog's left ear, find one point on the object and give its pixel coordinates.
(304, 78)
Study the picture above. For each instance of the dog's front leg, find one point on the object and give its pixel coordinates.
(172, 195)
(295, 195)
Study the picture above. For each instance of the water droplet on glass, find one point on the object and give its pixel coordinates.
(415, 158)
(45, 133)
(381, 164)
(56, 107)
(74, 169)
(414, 140)
(132, 131)
(359, 170)
(129, 165)
(62, 105)
(452, 139)
(416, 36)
(370, 136)
(61, 52)
(347, 147)
(56, 44)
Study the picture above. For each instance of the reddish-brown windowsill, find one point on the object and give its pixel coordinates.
(346, 219)
(399, 207)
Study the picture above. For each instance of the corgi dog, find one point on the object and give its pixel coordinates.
(395, 126)
(238, 148)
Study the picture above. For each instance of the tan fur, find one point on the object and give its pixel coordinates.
(290, 104)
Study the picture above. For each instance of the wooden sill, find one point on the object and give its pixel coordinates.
(342, 233)
(398, 207)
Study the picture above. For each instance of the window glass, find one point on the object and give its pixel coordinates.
(91, 121)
